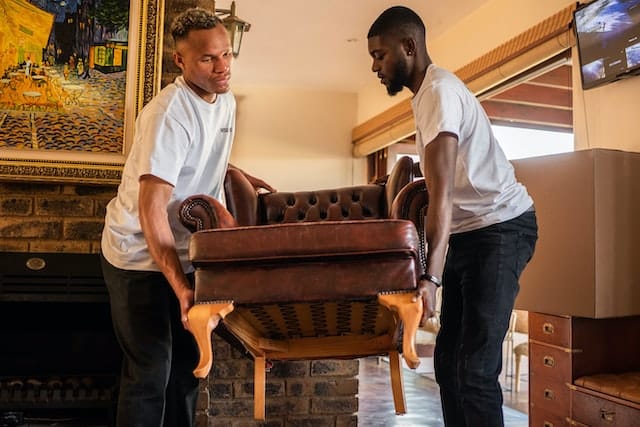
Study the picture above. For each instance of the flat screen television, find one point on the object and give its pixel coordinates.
(608, 37)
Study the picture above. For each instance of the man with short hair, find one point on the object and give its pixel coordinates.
(480, 226)
(181, 147)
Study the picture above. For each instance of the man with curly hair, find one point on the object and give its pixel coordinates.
(181, 147)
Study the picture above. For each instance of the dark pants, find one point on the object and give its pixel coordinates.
(157, 386)
(480, 285)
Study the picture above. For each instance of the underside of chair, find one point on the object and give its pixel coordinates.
(308, 275)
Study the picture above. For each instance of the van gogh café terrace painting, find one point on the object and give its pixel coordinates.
(62, 74)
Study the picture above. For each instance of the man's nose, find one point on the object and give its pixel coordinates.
(222, 65)
(375, 67)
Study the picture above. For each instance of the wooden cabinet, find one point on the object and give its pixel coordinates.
(544, 418)
(563, 348)
(550, 363)
(584, 274)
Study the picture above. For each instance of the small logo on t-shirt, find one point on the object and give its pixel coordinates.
(226, 130)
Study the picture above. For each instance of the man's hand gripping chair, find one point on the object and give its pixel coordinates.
(310, 275)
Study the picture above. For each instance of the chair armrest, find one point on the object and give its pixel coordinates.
(202, 212)
(411, 203)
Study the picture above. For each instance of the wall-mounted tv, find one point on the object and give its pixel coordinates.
(608, 37)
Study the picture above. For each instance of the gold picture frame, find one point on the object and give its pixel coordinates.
(88, 166)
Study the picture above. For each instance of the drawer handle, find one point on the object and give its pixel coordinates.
(548, 361)
(548, 394)
(547, 424)
(547, 328)
(607, 415)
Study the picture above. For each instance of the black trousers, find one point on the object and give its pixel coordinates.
(480, 285)
(157, 386)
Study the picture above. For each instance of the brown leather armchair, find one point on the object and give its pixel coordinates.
(310, 275)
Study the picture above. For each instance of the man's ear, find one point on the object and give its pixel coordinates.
(178, 60)
(409, 46)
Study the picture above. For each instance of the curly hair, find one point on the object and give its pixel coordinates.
(193, 19)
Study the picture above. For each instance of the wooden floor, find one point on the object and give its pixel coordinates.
(422, 397)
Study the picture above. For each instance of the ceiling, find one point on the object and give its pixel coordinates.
(327, 50)
(322, 44)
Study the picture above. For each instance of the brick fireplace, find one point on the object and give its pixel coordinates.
(64, 219)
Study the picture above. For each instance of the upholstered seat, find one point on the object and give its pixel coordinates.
(309, 261)
(309, 275)
(624, 386)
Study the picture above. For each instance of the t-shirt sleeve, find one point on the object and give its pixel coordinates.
(439, 110)
(164, 144)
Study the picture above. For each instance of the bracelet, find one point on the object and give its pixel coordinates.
(432, 279)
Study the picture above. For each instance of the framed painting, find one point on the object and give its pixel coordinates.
(73, 76)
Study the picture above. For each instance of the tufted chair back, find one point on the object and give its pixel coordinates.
(371, 201)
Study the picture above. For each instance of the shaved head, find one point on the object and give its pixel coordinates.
(400, 22)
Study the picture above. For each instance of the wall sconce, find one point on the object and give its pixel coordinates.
(234, 25)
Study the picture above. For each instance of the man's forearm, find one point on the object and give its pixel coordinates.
(153, 200)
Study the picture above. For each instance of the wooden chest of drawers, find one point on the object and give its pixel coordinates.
(563, 348)
(544, 418)
(550, 363)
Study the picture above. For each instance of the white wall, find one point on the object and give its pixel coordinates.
(607, 116)
(296, 139)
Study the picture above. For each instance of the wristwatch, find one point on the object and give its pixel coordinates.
(433, 279)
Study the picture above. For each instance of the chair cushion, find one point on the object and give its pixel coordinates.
(624, 386)
(313, 261)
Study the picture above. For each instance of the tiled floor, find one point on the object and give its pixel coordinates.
(422, 398)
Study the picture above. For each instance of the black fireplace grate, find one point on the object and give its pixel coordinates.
(20, 393)
(59, 359)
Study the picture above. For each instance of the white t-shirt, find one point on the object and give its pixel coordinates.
(185, 141)
(485, 190)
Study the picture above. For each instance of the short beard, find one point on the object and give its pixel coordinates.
(401, 75)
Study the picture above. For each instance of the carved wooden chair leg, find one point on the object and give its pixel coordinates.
(409, 313)
(397, 388)
(203, 318)
(259, 383)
